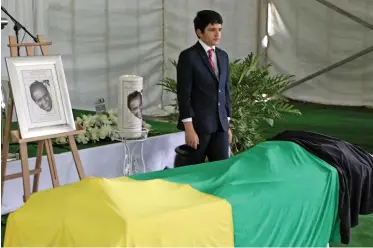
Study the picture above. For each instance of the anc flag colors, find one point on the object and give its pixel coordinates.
(274, 194)
(99, 212)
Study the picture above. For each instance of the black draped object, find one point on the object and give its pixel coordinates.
(355, 171)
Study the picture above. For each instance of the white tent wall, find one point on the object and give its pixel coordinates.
(23, 12)
(306, 36)
(100, 40)
(103, 39)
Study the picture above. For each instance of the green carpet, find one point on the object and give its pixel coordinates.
(158, 128)
(351, 124)
(361, 235)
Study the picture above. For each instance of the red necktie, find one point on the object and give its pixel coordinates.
(210, 58)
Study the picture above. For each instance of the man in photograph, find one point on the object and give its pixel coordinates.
(134, 103)
(203, 91)
(41, 96)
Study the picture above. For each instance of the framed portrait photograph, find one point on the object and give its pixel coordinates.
(41, 96)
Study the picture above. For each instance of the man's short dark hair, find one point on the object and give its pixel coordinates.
(133, 96)
(206, 17)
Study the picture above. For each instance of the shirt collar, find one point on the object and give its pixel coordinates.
(206, 47)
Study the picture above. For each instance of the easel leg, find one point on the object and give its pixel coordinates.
(25, 174)
(52, 163)
(39, 155)
(25, 171)
(6, 140)
(78, 162)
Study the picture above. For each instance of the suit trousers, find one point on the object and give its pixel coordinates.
(214, 146)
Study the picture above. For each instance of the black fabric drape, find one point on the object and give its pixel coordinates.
(355, 171)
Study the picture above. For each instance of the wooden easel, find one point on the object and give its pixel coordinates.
(42, 141)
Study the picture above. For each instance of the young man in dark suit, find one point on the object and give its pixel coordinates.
(203, 91)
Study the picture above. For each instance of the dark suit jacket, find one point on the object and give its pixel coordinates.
(201, 94)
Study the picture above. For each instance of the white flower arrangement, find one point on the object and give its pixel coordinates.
(98, 127)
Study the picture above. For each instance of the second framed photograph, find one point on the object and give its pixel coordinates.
(41, 96)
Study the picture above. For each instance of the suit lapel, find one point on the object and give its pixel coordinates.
(221, 62)
(205, 59)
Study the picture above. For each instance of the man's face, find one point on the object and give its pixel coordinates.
(135, 107)
(212, 34)
(42, 99)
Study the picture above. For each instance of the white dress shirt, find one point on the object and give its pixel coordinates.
(207, 48)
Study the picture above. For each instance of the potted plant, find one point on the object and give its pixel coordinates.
(255, 97)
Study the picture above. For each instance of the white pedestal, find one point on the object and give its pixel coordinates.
(132, 164)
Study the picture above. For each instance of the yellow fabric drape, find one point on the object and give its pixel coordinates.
(122, 212)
